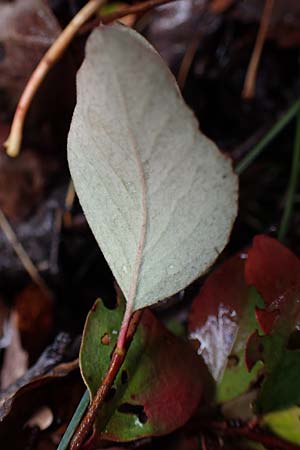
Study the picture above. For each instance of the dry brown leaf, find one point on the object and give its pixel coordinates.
(27, 28)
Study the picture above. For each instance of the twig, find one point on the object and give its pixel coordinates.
(268, 440)
(69, 201)
(292, 184)
(249, 86)
(23, 256)
(273, 132)
(187, 60)
(220, 6)
(115, 364)
(52, 55)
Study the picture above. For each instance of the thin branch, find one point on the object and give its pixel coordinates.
(23, 256)
(220, 6)
(292, 184)
(13, 143)
(69, 202)
(249, 86)
(256, 435)
(52, 55)
(117, 359)
(187, 60)
(272, 133)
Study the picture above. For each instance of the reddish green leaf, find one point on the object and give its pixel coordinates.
(159, 385)
(275, 272)
(221, 319)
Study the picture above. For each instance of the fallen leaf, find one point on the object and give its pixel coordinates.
(38, 235)
(158, 195)
(53, 383)
(53, 362)
(159, 385)
(15, 361)
(23, 182)
(171, 26)
(34, 317)
(27, 29)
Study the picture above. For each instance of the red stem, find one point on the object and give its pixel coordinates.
(268, 440)
(117, 359)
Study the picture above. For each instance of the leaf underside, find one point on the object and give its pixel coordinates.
(159, 196)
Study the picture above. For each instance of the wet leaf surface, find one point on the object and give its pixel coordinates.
(221, 319)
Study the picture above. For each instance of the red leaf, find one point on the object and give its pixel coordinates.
(159, 386)
(175, 378)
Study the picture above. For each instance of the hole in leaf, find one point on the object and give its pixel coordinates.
(110, 303)
(110, 395)
(294, 340)
(105, 339)
(233, 361)
(138, 410)
(124, 377)
(143, 417)
(260, 348)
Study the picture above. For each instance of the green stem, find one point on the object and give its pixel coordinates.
(84, 402)
(288, 208)
(272, 133)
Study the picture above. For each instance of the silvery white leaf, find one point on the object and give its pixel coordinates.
(158, 195)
